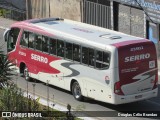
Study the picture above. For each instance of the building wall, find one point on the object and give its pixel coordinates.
(69, 9)
(131, 21)
(37, 8)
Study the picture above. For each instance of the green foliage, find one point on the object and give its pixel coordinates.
(6, 68)
(12, 99)
(4, 12)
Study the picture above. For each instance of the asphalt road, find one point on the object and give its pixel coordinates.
(63, 97)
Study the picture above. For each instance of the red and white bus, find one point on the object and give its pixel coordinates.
(89, 61)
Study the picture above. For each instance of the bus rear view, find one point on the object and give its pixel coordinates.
(137, 77)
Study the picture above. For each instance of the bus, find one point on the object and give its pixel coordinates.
(89, 61)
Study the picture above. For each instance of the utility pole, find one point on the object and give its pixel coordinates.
(48, 93)
(34, 93)
(27, 13)
(49, 8)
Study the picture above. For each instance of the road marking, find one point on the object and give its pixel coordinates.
(1, 27)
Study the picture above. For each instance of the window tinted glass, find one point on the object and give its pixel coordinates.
(69, 53)
(106, 60)
(31, 40)
(53, 46)
(85, 57)
(45, 44)
(76, 53)
(91, 57)
(60, 48)
(102, 59)
(88, 56)
(38, 42)
(99, 59)
(24, 39)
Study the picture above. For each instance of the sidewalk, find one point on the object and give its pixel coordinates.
(5, 23)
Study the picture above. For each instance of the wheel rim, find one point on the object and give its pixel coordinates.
(77, 91)
(26, 74)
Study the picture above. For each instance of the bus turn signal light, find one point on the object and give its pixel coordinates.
(117, 89)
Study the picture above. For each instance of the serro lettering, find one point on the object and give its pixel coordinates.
(137, 57)
(39, 58)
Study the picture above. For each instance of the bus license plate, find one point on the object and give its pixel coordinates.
(138, 96)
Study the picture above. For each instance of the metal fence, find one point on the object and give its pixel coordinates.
(96, 14)
(10, 11)
(12, 14)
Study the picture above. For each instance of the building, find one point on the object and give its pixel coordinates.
(138, 17)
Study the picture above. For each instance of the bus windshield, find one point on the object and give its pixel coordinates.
(11, 38)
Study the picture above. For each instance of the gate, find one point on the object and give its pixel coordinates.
(96, 14)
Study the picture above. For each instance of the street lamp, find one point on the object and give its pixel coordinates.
(34, 92)
(48, 93)
(34, 89)
(27, 12)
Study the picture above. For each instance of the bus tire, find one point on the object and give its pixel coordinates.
(26, 73)
(76, 91)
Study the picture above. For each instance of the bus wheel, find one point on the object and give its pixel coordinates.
(26, 73)
(76, 91)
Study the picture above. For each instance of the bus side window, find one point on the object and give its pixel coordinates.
(38, 42)
(99, 59)
(45, 44)
(91, 57)
(69, 51)
(24, 39)
(53, 46)
(106, 60)
(60, 48)
(85, 56)
(31, 40)
(76, 53)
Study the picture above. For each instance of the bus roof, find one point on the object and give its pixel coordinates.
(79, 31)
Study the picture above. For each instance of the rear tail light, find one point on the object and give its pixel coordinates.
(156, 82)
(117, 89)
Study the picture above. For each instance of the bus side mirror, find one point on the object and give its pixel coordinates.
(6, 34)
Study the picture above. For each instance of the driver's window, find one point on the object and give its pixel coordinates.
(12, 38)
